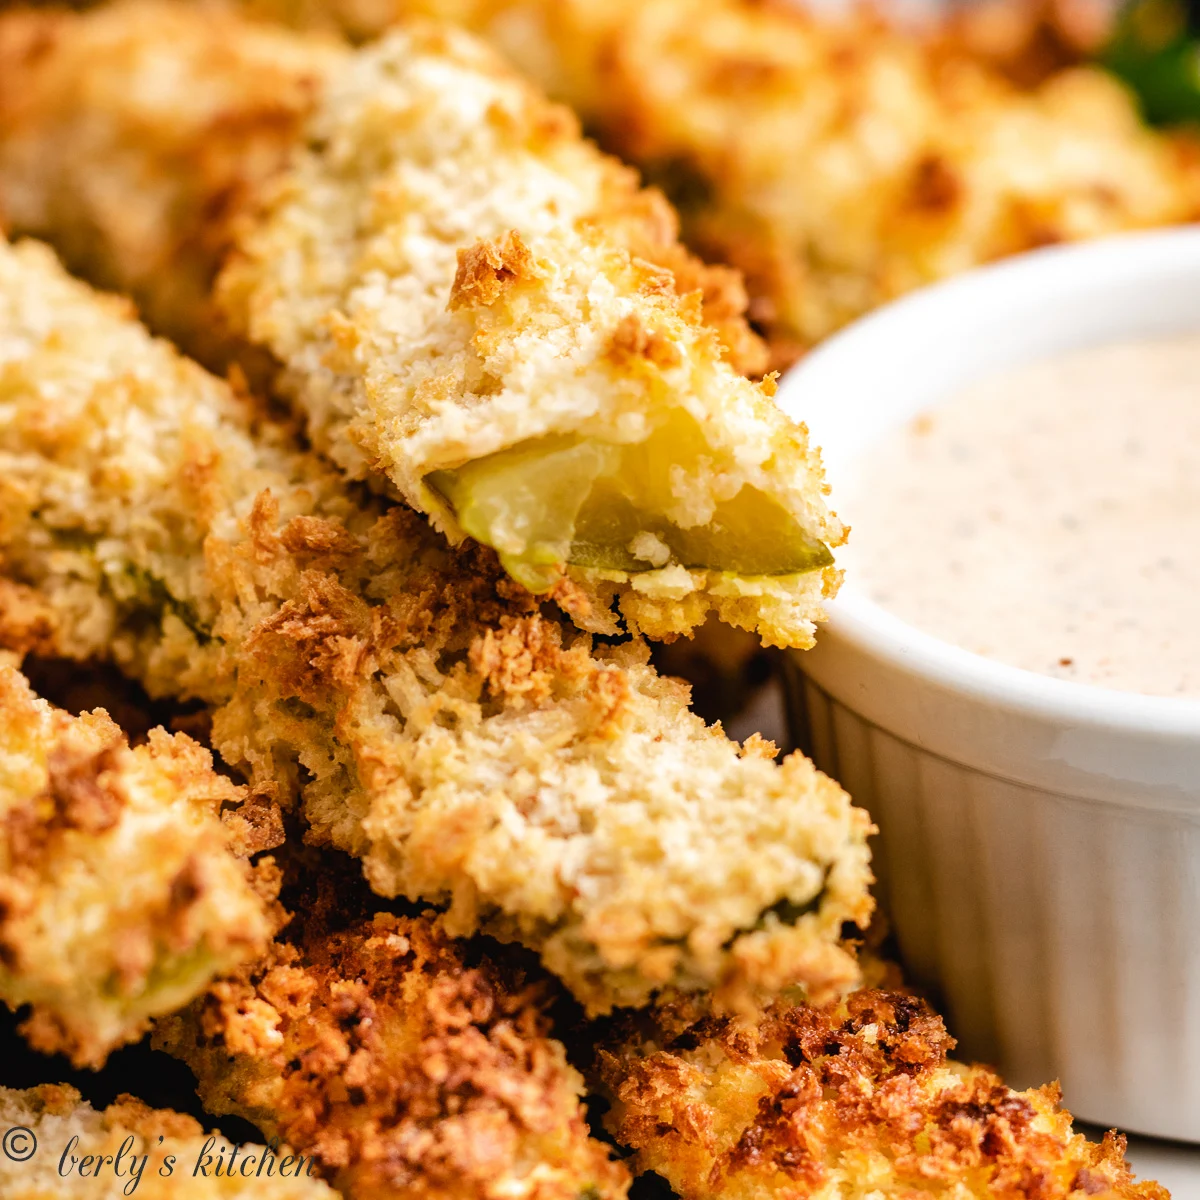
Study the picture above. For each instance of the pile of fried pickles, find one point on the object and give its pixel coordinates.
(358, 408)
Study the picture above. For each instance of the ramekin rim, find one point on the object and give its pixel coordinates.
(859, 620)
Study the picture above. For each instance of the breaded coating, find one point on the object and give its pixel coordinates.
(470, 304)
(122, 896)
(129, 1149)
(159, 218)
(473, 749)
(857, 1101)
(837, 160)
(373, 1045)
(159, 234)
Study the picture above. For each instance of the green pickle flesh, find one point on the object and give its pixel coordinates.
(560, 501)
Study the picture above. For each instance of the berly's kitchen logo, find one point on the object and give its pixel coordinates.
(215, 1161)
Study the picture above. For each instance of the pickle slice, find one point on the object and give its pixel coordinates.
(523, 502)
(561, 501)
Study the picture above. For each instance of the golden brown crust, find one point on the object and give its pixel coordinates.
(792, 141)
(432, 717)
(242, 96)
(373, 1045)
(854, 1100)
(121, 896)
(159, 238)
(757, 118)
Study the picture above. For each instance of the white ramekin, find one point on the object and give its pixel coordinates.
(1039, 852)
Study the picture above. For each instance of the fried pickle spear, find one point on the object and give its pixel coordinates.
(471, 749)
(470, 304)
(836, 160)
(405, 1064)
(159, 235)
(854, 1100)
(122, 895)
(133, 1150)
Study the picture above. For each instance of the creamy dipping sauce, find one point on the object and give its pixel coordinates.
(1049, 517)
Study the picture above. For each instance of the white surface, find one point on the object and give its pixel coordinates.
(1040, 846)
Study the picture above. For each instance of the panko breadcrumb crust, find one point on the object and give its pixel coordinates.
(470, 747)
(122, 894)
(855, 1101)
(239, 95)
(407, 1064)
(836, 159)
(444, 268)
(160, 237)
(174, 1144)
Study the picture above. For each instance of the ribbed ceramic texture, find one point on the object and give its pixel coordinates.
(1049, 926)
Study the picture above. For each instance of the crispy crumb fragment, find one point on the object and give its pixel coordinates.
(487, 268)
